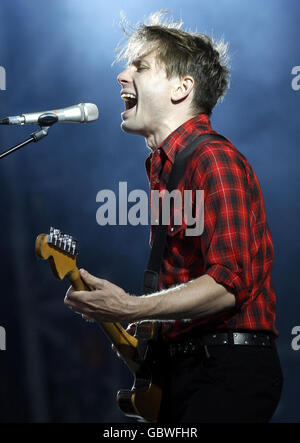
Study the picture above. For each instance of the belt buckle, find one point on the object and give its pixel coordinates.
(254, 339)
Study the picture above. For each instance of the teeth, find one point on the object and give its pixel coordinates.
(127, 97)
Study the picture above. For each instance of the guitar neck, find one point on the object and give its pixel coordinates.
(125, 343)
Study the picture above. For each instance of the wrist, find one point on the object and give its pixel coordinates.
(143, 307)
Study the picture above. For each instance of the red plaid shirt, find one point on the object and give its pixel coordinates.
(235, 247)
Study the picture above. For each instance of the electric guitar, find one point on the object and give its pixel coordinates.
(143, 400)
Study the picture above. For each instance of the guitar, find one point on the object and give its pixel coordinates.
(143, 400)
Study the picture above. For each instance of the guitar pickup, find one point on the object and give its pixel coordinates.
(63, 242)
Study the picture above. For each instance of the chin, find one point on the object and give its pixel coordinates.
(130, 129)
(126, 128)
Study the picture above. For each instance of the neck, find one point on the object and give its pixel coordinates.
(155, 139)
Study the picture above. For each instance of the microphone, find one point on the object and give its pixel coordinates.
(81, 113)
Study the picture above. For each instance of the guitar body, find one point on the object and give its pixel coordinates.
(143, 400)
(139, 352)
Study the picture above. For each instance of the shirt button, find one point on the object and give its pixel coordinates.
(156, 221)
(157, 180)
(158, 151)
(172, 229)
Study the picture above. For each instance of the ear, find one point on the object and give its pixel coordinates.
(182, 88)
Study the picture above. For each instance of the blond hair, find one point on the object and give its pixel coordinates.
(182, 53)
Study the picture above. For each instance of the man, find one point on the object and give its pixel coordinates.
(215, 298)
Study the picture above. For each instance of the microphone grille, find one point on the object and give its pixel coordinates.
(91, 112)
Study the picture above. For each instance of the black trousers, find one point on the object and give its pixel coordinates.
(235, 384)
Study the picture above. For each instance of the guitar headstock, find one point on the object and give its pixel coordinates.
(60, 249)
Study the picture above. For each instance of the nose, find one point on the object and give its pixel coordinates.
(124, 77)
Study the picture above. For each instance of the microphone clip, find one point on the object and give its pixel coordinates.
(34, 137)
(41, 133)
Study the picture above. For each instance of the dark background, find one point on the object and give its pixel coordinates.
(58, 368)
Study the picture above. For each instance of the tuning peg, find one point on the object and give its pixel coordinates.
(50, 236)
(74, 247)
(63, 241)
(53, 236)
(69, 243)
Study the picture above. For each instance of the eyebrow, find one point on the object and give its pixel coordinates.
(139, 60)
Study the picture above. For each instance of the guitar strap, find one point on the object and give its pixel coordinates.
(151, 274)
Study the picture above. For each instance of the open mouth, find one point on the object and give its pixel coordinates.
(130, 100)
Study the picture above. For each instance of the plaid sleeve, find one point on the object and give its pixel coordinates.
(225, 242)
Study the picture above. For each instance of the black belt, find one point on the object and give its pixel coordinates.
(194, 345)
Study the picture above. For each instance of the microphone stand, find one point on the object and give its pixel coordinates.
(34, 137)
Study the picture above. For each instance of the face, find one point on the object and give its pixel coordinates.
(146, 91)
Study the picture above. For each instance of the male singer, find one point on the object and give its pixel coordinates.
(215, 297)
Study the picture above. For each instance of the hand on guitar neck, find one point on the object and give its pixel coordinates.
(105, 302)
(61, 251)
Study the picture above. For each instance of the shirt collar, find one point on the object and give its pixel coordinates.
(184, 134)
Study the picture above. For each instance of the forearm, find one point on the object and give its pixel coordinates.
(196, 299)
